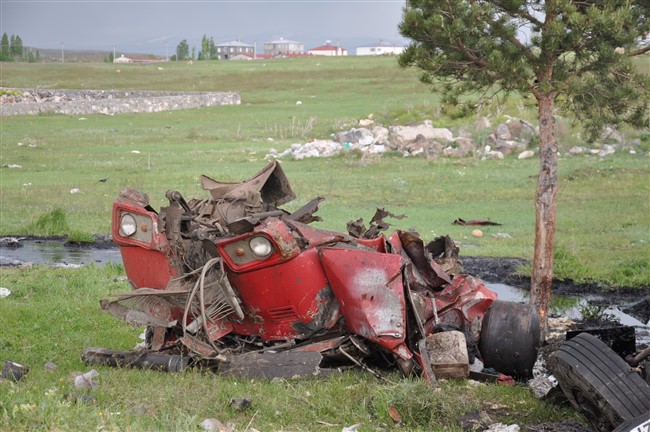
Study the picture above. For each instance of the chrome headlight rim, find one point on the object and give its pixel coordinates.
(261, 247)
(128, 224)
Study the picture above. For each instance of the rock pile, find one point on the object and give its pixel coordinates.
(514, 136)
(421, 140)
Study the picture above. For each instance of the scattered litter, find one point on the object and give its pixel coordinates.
(159, 68)
(27, 184)
(4, 292)
(501, 236)
(135, 151)
(83, 118)
(20, 144)
(477, 233)
(50, 366)
(394, 414)
(86, 381)
(476, 222)
(11, 166)
(298, 102)
(353, 428)
(75, 191)
(80, 397)
(241, 404)
(542, 385)
(14, 371)
(500, 427)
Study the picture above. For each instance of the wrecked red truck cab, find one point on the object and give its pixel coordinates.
(220, 278)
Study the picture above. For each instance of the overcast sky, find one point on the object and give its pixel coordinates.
(158, 26)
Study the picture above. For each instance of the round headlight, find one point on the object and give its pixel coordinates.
(261, 246)
(128, 225)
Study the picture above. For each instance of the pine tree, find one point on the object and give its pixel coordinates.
(569, 55)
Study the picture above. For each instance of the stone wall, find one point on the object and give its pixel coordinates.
(76, 102)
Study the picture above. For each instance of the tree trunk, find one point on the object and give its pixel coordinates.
(545, 210)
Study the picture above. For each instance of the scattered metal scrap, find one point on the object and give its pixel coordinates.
(475, 222)
(239, 285)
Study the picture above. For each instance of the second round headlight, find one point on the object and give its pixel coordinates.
(261, 246)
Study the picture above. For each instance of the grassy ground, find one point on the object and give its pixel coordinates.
(601, 202)
(54, 314)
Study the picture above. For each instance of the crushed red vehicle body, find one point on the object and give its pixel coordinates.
(234, 274)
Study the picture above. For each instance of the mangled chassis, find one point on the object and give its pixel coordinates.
(216, 279)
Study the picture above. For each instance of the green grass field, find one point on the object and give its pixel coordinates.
(603, 231)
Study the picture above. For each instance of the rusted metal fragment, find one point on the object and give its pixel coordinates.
(305, 214)
(133, 197)
(475, 222)
(134, 317)
(271, 184)
(377, 224)
(414, 248)
(286, 364)
(143, 359)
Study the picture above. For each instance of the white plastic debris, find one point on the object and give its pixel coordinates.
(87, 381)
(353, 428)
(135, 151)
(500, 427)
(12, 166)
(4, 292)
(75, 191)
(298, 102)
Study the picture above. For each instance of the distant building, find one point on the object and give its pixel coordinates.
(236, 48)
(382, 48)
(131, 59)
(122, 59)
(328, 50)
(283, 47)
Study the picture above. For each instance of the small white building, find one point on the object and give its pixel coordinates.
(328, 50)
(122, 59)
(382, 48)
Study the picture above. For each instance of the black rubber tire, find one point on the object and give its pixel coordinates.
(632, 425)
(599, 383)
(509, 338)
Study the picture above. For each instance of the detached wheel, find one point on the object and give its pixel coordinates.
(639, 424)
(509, 338)
(599, 383)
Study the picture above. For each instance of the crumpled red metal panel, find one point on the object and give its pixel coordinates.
(287, 301)
(370, 292)
(462, 302)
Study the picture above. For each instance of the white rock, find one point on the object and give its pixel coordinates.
(366, 122)
(87, 381)
(494, 155)
(406, 134)
(75, 191)
(526, 154)
(4, 292)
(298, 102)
